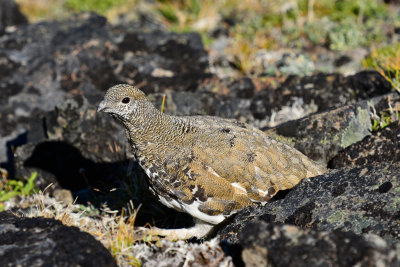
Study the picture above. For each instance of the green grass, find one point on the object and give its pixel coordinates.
(98, 6)
(13, 188)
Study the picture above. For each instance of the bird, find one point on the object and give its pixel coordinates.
(208, 167)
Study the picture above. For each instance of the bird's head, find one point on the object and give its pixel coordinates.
(122, 101)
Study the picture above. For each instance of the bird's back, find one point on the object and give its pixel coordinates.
(214, 167)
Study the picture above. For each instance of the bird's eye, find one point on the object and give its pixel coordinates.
(126, 100)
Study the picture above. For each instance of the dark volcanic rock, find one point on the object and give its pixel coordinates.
(285, 245)
(160, 61)
(10, 15)
(381, 146)
(46, 64)
(320, 92)
(333, 90)
(253, 100)
(47, 242)
(321, 136)
(362, 200)
(204, 103)
(257, 102)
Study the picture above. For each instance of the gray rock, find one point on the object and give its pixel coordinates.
(285, 245)
(160, 61)
(381, 146)
(45, 65)
(47, 242)
(361, 200)
(181, 253)
(321, 136)
(333, 90)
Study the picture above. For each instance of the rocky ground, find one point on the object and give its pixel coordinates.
(53, 75)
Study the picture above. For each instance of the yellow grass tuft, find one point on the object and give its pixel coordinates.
(386, 60)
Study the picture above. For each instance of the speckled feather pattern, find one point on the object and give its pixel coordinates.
(206, 166)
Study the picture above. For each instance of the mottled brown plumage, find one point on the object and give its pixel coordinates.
(206, 166)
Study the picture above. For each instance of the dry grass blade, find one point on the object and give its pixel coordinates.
(163, 103)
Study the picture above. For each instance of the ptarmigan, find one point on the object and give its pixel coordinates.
(206, 166)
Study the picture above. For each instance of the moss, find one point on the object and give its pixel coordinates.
(394, 205)
(375, 186)
(281, 138)
(337, 216)
(359, 223)
(324, 141)
(359, 127)
(275, 210)
(336, 138)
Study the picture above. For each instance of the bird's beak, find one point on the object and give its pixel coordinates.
(102, 106)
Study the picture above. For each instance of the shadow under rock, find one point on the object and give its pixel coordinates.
(73, 171)
(97, 183)
(21, 139)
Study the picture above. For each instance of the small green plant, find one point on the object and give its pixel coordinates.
(12, 188)
(381, 121)
(168, 11)
(346, 35)
(180, 15)
(385, 117)
(384, 120)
